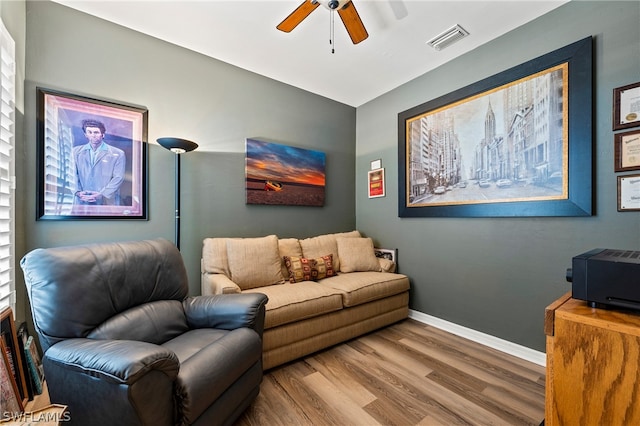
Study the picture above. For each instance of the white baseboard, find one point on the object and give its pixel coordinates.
(505, 346)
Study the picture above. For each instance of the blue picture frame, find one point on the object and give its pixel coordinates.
(436, 180)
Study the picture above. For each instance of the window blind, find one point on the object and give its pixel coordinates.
(7, 160)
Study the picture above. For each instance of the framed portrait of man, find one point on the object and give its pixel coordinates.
(92, 158)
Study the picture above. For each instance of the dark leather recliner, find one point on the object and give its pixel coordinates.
(124, 345)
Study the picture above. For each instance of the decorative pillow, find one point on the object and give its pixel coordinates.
(254, 262)
(288, 247)
(315, 247)
(214, 256)
(387, 265)
(303, 269)
(324, 267)
(357, 255)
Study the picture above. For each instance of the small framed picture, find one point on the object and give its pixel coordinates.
(36, 371)
(10, 399)
(626, 106)
(376, 183)
(629, 193)
(390, 254)
(12, 353)
(627, 151)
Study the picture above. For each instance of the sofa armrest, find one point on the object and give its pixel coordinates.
(226, 311)
(217, 284)
(117, 361)
(387, 265)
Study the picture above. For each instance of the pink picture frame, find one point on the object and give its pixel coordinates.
(65, 174)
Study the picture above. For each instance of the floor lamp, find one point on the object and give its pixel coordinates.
(177, 146)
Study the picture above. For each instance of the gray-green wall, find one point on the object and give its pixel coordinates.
(195, 97)
(497, 275)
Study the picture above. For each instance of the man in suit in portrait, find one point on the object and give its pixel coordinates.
(100, 168)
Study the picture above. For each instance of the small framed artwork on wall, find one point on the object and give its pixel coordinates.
(627, 151)
(376, 183)
(629, 193)
(626, 106)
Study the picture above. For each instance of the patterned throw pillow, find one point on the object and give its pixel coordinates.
(303, 269)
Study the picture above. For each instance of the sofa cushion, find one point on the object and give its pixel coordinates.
(325, 244)
(288, 247)
(214, 256)
(362, 287)
(303, 269)
(254, 262)
(357, 255)
(295, 302)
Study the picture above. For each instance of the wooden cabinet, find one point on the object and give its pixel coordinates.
(593, 365)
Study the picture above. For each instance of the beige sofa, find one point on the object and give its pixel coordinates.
(322, 290)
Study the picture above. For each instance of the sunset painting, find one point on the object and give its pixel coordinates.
(284, 175)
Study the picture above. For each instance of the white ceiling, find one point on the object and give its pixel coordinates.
(243, 33)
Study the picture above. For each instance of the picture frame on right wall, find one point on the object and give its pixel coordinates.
(376, 183)
(627, 151)
(629, 193)
(518, 143)
(626, 106)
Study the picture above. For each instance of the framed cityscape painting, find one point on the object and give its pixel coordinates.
(518, 143)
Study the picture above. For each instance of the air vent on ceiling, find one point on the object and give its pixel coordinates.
(448, 37)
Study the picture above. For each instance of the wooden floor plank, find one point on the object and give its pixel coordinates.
(393, 352)
(352, 413)
(406, 374)
(491, 373)
(328, 363)
(525, 368)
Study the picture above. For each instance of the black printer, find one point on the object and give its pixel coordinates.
(606, 278)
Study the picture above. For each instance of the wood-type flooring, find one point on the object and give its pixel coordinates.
(406, 374)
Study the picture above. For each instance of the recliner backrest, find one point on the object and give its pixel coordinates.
(73, 290)
(154, 322)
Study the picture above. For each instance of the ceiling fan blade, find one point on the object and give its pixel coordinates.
(297, 16)
(353, 23)
(399, 9)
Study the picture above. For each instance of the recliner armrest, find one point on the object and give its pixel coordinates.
(226, 311)
(119, 361)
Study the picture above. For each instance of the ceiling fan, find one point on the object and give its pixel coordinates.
(345, 8)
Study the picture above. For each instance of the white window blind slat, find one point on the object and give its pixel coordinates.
(7, 160)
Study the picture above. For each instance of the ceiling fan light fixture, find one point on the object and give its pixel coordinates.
(333, 4)
(448, 37)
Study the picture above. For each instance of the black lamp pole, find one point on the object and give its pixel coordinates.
(177, 146)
